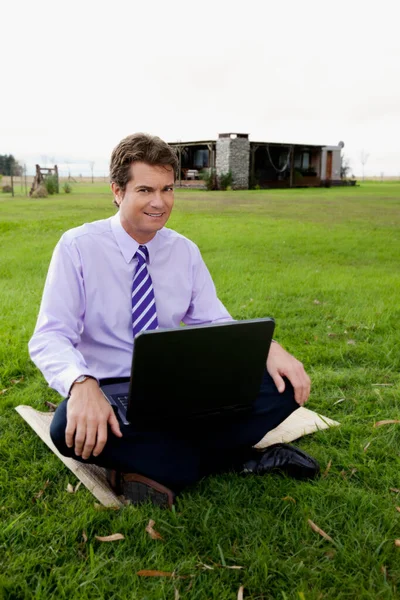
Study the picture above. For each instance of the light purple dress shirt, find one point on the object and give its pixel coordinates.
(84, 325)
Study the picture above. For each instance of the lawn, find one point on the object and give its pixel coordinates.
(325, 263)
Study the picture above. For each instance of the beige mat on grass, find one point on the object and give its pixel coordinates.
(92, 477)
(301, 422)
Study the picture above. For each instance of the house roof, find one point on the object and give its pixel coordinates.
(252, 143)
(193, 143)
(287, 144)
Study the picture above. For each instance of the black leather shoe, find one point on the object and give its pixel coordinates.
(283, 458)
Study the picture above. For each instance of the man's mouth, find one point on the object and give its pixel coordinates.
(154, 215)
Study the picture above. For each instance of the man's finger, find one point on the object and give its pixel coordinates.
(302, 396)
(113, 421)
(301, 383)
(279, 382)
(70, 431)
(298, 387)
(298, 390)
(101, 438)
(90, 440)
(80, 436)
(305, 384)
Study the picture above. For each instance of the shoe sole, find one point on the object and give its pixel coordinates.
(138, 489)
(296, 471)
(140, 493)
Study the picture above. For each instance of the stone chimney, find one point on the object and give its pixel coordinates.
(233, 154)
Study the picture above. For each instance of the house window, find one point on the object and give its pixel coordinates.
(302, 160)
(201, 159)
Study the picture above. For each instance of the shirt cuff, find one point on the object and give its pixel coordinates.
(64, 382)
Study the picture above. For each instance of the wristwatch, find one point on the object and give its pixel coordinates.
(82, 378)
(79, 379)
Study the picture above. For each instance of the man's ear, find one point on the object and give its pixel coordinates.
(117, 193)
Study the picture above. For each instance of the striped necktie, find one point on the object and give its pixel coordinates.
(144, 314)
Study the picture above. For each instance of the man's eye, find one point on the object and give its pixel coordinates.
(143, 190)
(169, 189)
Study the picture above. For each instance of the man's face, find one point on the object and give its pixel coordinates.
(147, 201)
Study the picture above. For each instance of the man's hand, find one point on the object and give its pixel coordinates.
(88, 414)
(282, 364)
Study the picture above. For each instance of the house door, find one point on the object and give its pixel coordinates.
(329, 165)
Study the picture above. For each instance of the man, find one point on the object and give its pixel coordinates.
(111, 278)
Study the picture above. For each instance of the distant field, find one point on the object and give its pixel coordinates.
(19, 182)
(325, 263)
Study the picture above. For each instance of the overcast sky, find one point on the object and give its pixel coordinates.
(79, 76)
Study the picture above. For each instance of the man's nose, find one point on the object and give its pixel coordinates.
(156, 198)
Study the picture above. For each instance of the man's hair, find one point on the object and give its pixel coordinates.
(139, 147)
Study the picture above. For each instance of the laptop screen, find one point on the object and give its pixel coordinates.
(198, 371)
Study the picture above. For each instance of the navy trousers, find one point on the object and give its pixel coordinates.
(185, 454)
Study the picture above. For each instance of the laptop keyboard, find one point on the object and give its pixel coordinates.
(122, 399)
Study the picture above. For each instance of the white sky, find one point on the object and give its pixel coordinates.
(80, 76)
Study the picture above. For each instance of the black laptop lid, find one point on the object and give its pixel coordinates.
(196, 371)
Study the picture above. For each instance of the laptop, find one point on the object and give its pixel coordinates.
(193, 372)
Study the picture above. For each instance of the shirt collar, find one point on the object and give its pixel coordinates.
(127, 245)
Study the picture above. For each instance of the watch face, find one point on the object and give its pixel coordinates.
(80, 379)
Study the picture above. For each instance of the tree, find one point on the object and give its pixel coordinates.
(9, 166)
(345, 167)
(363, 159)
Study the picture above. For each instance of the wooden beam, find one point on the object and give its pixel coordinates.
(211, 156)
(180, 164)
(291, 182)
(253, 149)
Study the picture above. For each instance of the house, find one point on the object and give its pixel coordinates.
(260, 164)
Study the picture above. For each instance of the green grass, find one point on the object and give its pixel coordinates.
(325, 264)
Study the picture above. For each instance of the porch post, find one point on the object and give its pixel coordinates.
(211, 160)
(254, 149)
(180, 164)
(291, 166)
